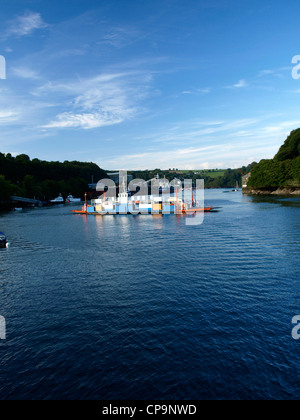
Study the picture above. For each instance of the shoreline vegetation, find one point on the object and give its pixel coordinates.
(43, 181)
(278, 192)
(280, 175)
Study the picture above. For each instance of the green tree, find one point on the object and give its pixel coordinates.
(283, 170)
(291, 147)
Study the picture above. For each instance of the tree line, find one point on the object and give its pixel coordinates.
(44, 180)
(283, 171)
(228, 179)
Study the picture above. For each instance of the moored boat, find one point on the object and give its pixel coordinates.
(58, 200)
(3, 240)
(237, 187)
(71, 200)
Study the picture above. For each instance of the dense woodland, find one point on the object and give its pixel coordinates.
(43, 180)
(281, 172)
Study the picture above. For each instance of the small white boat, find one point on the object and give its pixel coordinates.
(237, 187)
(71, 200)
(58, 200)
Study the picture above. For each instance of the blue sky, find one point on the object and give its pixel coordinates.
(134, 84)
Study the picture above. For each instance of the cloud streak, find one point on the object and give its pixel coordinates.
(108, 99)
(8, 117)
(26, 73)
(26, 24)
(202, 148)
(85, 121)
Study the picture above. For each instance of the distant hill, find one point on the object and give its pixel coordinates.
(281, 173)
(213, 178)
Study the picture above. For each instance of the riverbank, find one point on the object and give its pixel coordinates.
(280, 191)
(5, 205)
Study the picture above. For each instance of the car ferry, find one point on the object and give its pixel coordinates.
(148, 204)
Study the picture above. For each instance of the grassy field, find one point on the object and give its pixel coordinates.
(212, 173)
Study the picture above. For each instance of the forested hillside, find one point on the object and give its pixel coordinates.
(281, 172)
(44, 180)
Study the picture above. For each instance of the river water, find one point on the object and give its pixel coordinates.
(142, 307)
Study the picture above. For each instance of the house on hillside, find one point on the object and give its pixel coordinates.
(245, 180)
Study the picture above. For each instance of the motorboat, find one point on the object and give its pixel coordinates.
(71, 200)
(3, 240)
(58, 200)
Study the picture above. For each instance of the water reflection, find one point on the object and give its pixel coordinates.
(284, 201)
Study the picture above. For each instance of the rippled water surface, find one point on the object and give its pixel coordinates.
(124, 307)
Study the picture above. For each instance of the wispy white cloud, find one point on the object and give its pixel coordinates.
(85, 121)
(120, 36)
(190, 158)
(278, 72)
(241, 84)
(8, 117)
(108, 99)
(204, 91)
(26, 73)
(280, 129)
(203, 148)
(195, 131)
(265, 73)
(26, 24)
(20, 111)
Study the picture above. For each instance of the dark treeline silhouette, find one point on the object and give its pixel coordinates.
(44, 180)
